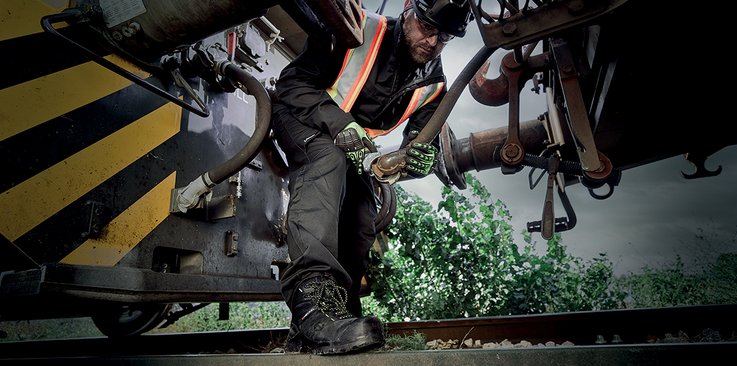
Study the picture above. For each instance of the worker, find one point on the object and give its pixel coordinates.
(330, 103)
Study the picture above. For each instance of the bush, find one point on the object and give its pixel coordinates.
(670, 286)
(461, 261)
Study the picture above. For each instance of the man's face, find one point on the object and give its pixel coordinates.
(423, 39)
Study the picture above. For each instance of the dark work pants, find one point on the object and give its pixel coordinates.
(330, 218)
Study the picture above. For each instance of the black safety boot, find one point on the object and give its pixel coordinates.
(322, 324)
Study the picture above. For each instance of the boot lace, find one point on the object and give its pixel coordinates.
(329, 298)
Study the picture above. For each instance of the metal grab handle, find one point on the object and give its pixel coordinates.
(69, 15)
(561, 223)
(548, 206)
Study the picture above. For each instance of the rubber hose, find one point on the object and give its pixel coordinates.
(251, 86)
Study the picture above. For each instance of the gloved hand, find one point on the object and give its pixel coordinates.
(356, 144)
(421, 159)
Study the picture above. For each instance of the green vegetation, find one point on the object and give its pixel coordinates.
(254, 315)
(461, 261)
(414, 342)
(715, 284)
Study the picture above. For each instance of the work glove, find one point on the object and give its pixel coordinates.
(356, 144)
(421, 159)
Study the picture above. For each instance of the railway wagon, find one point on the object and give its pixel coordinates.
(139, 171)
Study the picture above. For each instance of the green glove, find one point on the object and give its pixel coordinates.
(356, 144)
(421, 159)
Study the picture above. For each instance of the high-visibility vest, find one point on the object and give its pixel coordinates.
(357, 66)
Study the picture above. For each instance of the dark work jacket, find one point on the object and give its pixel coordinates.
(302, 86)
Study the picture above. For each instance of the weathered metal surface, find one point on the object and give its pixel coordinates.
(555, 16)
(115, 145)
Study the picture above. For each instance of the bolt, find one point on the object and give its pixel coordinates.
(127, 32)
(117, 36)
(131, 29)
(511, 152)
(509, 28)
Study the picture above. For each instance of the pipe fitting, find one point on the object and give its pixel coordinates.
(189, 197)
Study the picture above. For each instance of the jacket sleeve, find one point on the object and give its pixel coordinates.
(302, 88)
(419, 119)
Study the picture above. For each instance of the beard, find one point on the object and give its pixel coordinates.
(420, 52)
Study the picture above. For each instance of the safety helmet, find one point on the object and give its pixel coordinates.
(450, 16)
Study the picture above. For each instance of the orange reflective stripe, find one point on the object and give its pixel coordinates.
(356, 68)
(411, 106)
(375, 133)
(414, 105)
(368, 64)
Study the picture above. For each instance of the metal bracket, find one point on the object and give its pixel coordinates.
(231, 243)
(577, 115)
(98, 215)
(538, 23)
(208, 208)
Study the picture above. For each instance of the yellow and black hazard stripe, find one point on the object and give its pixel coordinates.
(71, 133)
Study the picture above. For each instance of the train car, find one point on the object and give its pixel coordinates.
(114, 113)
(139, 170)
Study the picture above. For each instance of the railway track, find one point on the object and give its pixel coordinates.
(680, 335)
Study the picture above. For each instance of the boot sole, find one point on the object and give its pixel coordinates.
(301, 344)
(360, 345)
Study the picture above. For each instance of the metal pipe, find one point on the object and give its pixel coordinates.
(477, 151)
(556, 131)
(433, 126)
(153, 28)
(381, 7)
(190, 196)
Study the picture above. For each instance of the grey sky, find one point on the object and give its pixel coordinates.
(654, 214)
